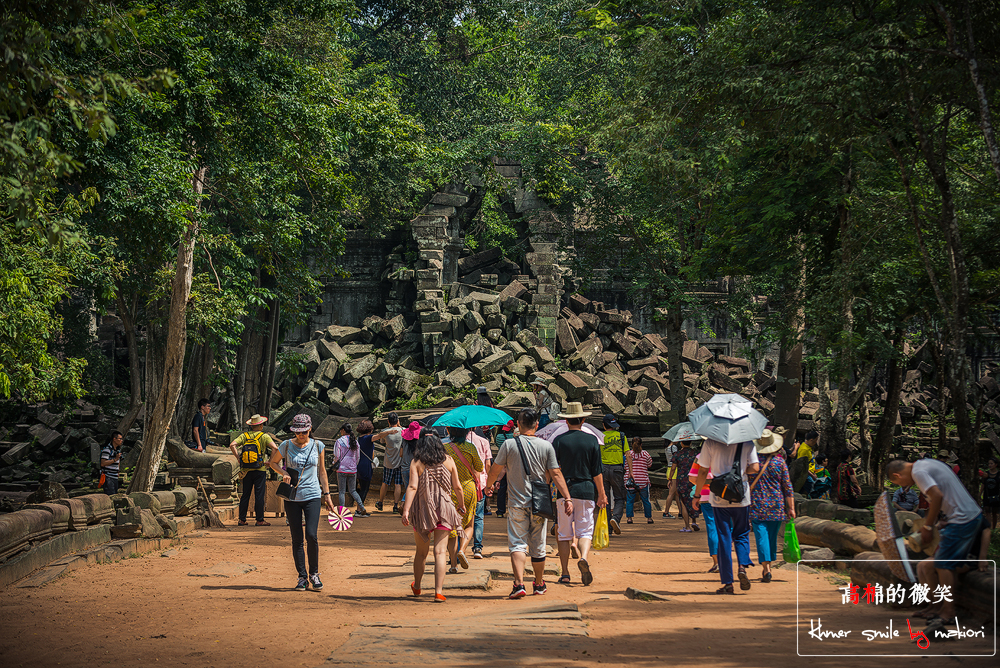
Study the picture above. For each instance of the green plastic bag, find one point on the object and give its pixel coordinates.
(601, 536)
(792, 552)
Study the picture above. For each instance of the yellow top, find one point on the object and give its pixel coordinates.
(614, 448)
(804, 451)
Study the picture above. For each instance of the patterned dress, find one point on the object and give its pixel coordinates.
(469, 465)
(767, 499)
(683, 459)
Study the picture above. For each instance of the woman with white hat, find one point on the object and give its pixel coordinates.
(771, 499)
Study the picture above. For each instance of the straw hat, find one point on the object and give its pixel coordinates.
(769, 442)
(256, 420)
(915, 542)
(574, 409)
(949, 456)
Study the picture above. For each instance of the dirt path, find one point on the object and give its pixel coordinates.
(149, 610)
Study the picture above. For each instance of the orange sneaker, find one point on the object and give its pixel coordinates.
(416, 592)
(439, 598)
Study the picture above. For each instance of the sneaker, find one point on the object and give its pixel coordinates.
(539, 589)
(397, 510)
(378, 506)
(487, 512)
(315, 581)
(517, 592)
(302, 585)
(614, 526)
(362, 513)
(477, 554)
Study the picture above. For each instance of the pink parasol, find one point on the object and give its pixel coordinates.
(553, 429)
(341, 518)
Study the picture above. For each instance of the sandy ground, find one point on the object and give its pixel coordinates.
(147, 610)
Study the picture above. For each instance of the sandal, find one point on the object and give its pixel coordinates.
(694, 525)
(452, 571)
(766, 577)
(574, 552)
(585, 575)
(714, 569)
(685, 530)
(649, 520)
(628, 521)
(726, 589)
(564, 580)
(416, 592)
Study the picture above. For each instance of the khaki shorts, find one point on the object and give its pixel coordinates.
(526, 532)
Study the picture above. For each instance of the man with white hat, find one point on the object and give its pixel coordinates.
(579, 456)
(252, 450)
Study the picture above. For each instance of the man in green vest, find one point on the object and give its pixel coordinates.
(613, 460)
(252, 450)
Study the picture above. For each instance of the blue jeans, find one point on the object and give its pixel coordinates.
(477, 525)
(647, 507)
(708, 512)
(765, 535)
(347, 483)
(733, 525)
(956, 541)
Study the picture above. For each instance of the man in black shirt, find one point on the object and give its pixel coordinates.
(198, 426)
(579, 457)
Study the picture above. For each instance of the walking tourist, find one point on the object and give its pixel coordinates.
(469, 465)
(732, 519)
(111, 456)
(253, 450)
(304, 455)
(705, 507)
(366, 462)
(509, 430)
(670, 451)
(613, 459)
(578, 454)
(410, 437)
(346, 453)
(392, 470)
(962, 519)
(429, 507)
(684, 458)
(486, 456)
(771, 499)
(526, 457)
(638, 462)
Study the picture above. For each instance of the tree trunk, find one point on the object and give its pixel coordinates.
(788, 388)
(675, 368)
(270, 358)
(127, 315)
(882, 443)
(198, 368)
(162, 412)
(863, 428)
(155, 355)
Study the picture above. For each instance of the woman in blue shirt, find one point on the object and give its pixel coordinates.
(304, 455)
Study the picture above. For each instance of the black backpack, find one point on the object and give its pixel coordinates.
(251, 457)
(730, 487)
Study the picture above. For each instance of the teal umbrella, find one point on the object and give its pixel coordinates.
(467, 417)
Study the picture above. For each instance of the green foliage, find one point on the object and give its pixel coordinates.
(417, 401)
(292, 362)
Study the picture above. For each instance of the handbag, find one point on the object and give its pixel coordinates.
(542, 502)
(730, 487)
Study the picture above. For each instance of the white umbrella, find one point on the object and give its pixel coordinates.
(728, 418)
(682, 431)
(553, 429)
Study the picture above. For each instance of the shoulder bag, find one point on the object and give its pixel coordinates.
(760, 473)
(730, 487)
(287, 490)
(542, 498)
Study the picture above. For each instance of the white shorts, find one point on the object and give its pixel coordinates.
(580, 524)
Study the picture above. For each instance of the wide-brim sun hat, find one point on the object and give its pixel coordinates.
(574, 409)
(256, 420)
(300, 423)
(769, 442)
(412, 432)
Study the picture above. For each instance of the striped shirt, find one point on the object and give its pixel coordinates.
(640, 467)
(111, 470)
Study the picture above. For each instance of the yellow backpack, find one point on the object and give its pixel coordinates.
(251, 454)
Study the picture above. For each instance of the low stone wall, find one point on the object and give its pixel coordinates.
(72, 529)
